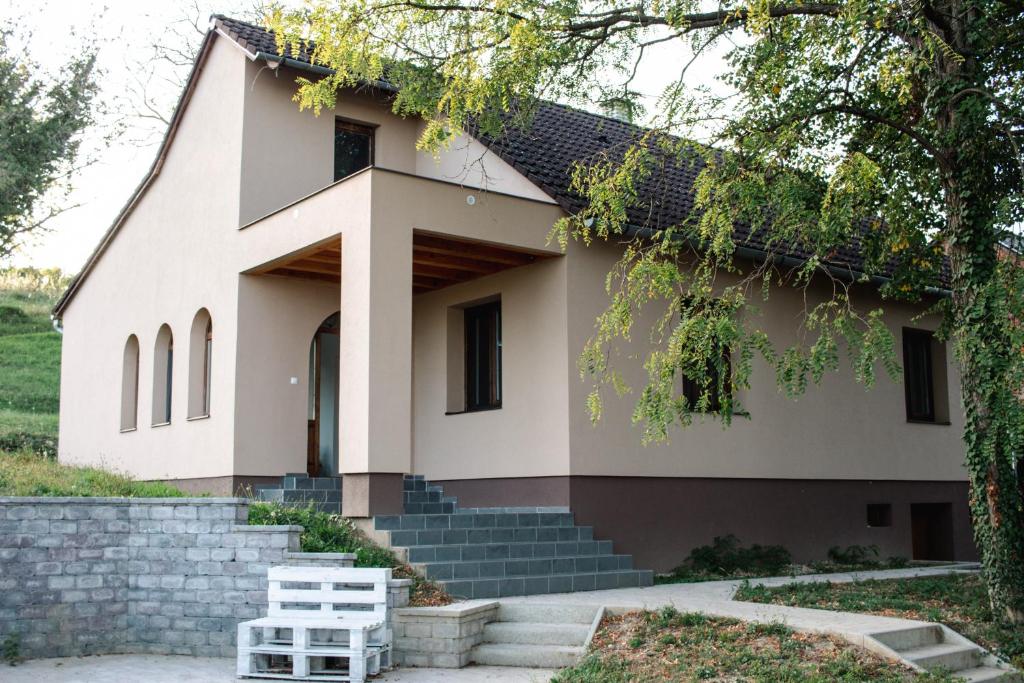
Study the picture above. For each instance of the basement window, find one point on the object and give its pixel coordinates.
(353, 148)
(879, 514)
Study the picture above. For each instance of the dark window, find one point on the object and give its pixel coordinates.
(693, 389)
(483, 356)
(170, 376)
(917, 375)
(353, 148)
(879, 514)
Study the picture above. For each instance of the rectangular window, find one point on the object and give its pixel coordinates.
(918, 377)
(353, 148)
(483, 356)
(693, 389)
(879, 514)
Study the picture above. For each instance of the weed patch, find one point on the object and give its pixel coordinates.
(959, 601)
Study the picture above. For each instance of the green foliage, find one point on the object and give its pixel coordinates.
(891, 127)
(725, 557)
(10, 649)
(28, 474)
(959, 601)
(327, 533)
(29, 360)
(40, 124)
(854, 554)
(324, 533)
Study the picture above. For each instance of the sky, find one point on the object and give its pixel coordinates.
(124, 32)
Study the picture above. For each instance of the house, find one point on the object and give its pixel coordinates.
(293, 294)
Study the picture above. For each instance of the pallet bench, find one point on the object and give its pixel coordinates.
(322, 624)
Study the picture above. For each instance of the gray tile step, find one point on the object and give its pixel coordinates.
(429, 508)
(572, 635)
(472, 521)
(422, 554)
(499, 510)
(498, 535)
(553, 583)
(487, 569)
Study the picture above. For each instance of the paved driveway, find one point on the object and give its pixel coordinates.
(159, 669)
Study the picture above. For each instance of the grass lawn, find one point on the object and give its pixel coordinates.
(29, 359)
(959, 601)
(26, 474)
(673, 646)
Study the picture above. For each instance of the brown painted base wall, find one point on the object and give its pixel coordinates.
(659, 520)
(236, 485)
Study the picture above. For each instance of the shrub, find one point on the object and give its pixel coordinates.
(863, 555)
(726, 557)
(327, 533)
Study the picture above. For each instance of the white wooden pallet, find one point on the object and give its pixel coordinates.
(315, 633)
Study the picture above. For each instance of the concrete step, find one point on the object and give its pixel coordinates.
(452, 552)
(987, 674)
(535, 613)
(441, 571)
(524, 633)
(514, 654)
(499, 536)
(948, 656)
(472, 521)
(909, 638)
(510, 586)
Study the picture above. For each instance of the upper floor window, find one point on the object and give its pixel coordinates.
(353, 148)
(483, 356)
(924, 376)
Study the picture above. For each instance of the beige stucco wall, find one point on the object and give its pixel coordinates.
(165, 264)
(289, 153)
(838, 430)
(530, 432)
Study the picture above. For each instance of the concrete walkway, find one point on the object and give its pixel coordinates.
(715, 598)
(160, 669)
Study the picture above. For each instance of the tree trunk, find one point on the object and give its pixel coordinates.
(991, 406)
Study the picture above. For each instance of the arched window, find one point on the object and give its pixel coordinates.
(163, 370)
(130, 384)
(200, 353)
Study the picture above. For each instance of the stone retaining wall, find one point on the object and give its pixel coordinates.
(85, 576)
(440, 636)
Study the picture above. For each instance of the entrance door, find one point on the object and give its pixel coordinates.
(322, 426)
(931, 527)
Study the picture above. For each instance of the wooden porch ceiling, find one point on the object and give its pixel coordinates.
(441, 261)
(438, 261)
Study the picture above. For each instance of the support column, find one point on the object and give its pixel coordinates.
(375, 402)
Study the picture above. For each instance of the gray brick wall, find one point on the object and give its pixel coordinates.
(85, 576)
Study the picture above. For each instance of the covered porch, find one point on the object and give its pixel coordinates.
(331, 314)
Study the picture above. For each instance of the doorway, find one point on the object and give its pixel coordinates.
(931, 526)
(322, 418)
